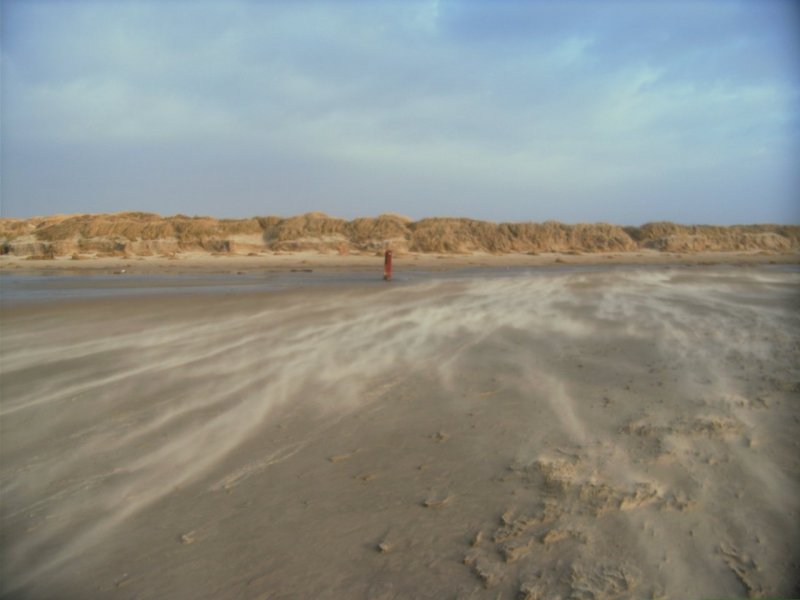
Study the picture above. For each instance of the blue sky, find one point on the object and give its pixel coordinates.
(624, 112)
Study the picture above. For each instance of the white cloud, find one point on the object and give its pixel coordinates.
(389, 87)
(113, 111)
(572, 50)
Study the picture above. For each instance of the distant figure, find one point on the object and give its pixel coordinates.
(387, 266)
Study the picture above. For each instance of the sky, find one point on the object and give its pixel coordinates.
(576, 111)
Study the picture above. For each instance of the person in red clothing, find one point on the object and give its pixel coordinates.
(387, 266)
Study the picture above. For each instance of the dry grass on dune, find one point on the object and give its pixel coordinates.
(371, 233)
(672, 237)
(311, 231)
(554, 236)
(138, 233)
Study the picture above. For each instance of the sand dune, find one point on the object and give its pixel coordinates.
(596, 434)
(146, 234)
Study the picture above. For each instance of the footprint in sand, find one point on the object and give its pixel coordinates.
(337, 458)
(434, 502)
(440, 436)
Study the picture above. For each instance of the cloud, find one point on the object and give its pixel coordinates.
(575, 99)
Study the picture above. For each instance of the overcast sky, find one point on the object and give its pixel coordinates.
(624, 112)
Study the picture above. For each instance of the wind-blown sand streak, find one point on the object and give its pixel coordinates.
(590, 435)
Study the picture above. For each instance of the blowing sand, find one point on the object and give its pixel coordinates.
(628, 433)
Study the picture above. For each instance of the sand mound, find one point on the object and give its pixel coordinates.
(672, 237)
(144, 234)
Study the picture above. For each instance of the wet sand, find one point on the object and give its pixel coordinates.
(598, 434)
(203, 263)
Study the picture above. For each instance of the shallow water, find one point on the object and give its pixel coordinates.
(42, 286)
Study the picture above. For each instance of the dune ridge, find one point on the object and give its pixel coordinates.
(149, 234)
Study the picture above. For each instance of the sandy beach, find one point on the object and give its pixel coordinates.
(399, 300)
(605, 432)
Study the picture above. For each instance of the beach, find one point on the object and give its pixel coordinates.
(399, 300)
(522, 426)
